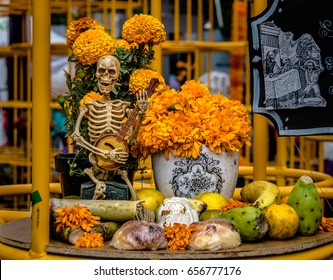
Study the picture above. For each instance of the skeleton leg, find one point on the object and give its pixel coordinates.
(124, 176)
(142, 213)
(100, 186)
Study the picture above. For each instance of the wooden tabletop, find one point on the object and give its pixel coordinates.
(18, 234)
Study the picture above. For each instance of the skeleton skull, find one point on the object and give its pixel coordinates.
(108, 69)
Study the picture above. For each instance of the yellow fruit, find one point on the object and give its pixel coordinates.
(213, 200)
(152, 198)
(261, 193)
(283, 221)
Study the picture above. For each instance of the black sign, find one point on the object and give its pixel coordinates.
(291, 61)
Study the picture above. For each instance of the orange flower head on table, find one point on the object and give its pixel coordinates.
(90, 240)
(74, 217)
(231, 204)
(177, 235)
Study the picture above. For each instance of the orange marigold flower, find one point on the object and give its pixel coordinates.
(121, 43)
(144, 29)
(93, 44)
(92, 95)
(231, 204)
(77, 27)
(193, 89)
(177, 235)
(140, 80)
(90, 240)
(180, 122)
(77, 216)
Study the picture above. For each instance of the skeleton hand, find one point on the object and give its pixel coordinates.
(117, 155)
(142, 99)
(75, 136)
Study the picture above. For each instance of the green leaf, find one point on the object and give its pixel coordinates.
(172, 107)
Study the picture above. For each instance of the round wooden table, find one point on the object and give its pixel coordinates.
(15, 240)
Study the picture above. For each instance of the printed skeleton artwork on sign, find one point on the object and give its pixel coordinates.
(291, 61)
(291, 69)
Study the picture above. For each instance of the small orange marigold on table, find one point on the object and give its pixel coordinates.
(77, 216)
(177, 235)
(231, 204)
(90, 240)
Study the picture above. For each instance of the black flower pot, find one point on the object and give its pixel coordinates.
(70, 185)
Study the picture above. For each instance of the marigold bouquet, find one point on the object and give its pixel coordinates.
(88, 41)
(180, 122)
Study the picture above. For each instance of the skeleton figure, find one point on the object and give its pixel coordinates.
(105, 117)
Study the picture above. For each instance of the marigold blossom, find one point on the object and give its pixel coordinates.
(141, 78)
(93, 44)
(180, 122)
(77, 216)
(121, 43)
(177, 235)
(90, 240)
(144, 29)
(231, 204)
(90, 96)
(77, 27)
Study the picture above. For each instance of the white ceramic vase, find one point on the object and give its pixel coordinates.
(187, 177)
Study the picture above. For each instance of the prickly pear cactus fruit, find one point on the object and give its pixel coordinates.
(250, 221)
(304, 198)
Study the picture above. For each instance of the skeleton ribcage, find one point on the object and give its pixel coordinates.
(105, 117)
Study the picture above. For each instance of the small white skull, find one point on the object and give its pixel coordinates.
(107, 73)
(176, 210)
